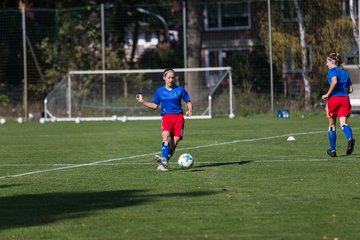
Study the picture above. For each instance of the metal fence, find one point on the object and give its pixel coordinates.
(39, 46)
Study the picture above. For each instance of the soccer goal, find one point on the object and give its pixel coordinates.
(110, 94)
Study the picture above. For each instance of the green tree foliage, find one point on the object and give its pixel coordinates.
(326, 31)
(78, 42)
(78, 45)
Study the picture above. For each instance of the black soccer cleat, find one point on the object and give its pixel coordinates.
(331, 153)
(350, 147)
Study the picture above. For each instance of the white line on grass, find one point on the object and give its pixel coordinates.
(35, 164)
(151, 154)
(76, 166)
(251, 140)
(197, 162)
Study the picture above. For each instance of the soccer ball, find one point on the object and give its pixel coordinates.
(20, 120)
(185, 161)
(124, 119)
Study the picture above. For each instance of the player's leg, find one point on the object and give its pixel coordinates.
(333, 106)
(346, 128)
(348, 134)
(163, 160)
(175, 141)
(343, 113)
(165, 145)
(172, 146)
(168, 147)
(332, 137)
(178, 132)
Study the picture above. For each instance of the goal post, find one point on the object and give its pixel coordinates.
(96, 95)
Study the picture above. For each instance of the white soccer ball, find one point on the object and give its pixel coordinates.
(31, 116)
(124, 119)
(20, 120)
(185, 161)
(77, 120)
(42, 120)
(2, 121)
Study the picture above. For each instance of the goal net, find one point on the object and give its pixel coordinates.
(110, 94)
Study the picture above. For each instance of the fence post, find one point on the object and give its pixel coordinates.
(25, 93)
(69, 96)
(231, 93)
(271, 61)
(103, 58)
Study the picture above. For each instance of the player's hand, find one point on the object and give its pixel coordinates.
(139, 97)
(188, 113)
(324, 97)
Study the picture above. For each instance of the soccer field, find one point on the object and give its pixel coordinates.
(97, 180)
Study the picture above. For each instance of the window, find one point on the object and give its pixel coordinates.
(227, 15)
(212, 59)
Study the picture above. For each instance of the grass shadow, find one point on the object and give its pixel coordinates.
(9, 185)
(40, 209)
(218, 164)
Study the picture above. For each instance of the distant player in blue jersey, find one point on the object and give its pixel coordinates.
(338, 103)
(172, 120)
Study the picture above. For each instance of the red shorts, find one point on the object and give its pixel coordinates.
(338, 106)
(173, 123)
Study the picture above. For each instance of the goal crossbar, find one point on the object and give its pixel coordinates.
(107, 95)
(128, 71)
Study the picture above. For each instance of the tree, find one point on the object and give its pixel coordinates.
(302, 31)
(194, 29)
(317, 23)
(352, 17)
(79, 42)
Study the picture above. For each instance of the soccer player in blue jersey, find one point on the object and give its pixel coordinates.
(338, 103)
(172, 119)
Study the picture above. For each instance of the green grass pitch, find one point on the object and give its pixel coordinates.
(97, 180)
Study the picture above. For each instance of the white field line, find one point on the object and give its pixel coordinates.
(197, 162)
(76, 166)
(151, 154)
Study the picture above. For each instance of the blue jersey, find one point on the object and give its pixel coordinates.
(343, 81)
(170, 99)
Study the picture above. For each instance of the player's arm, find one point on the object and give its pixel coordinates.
(151, 105)
(350, 89)
(189, 109)
(331, 88)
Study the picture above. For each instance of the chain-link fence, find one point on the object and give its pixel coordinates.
(217, 33)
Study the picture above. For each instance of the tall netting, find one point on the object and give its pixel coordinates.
(109, 95)
(276, 50)
(11, 72)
